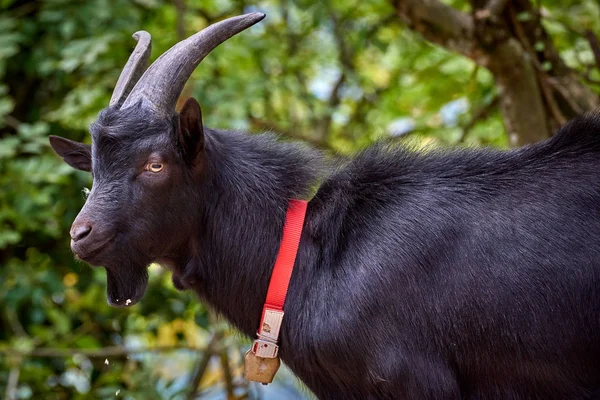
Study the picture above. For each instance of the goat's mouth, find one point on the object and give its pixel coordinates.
(125, 285)
(126, 282)
(91, 253)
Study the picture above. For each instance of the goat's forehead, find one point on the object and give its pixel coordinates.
(129, 124)
(129, 135)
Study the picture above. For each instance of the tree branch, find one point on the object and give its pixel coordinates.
(479, 115)
(347, 57)
(542, 76)
(555, 83)
(346, 60)
(13, 322)
(12, 384)
(112, 351)
(210, 19)
(496, 7)
(180, 8)
(572, 91)
(528, 93)
(520, 94)
(595, 45)
(227, 375)
(294, 40)
(203, 365)
(492, 10)
(441, 24)
(12, 122)
(270, 126)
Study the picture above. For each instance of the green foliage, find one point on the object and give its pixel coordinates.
(339, 74)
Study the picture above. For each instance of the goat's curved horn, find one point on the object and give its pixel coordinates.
(133, 70)
(161, 85)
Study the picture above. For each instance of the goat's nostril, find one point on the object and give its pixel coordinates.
(80, 231)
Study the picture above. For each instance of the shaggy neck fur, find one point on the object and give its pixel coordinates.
(247, 184)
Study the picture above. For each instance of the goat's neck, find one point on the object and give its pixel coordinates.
(249, 182)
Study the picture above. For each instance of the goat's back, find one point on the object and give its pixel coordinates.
(479, 262)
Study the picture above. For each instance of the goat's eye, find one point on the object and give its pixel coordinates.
(155, 167)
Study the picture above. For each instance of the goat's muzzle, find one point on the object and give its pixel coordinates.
(88, 241)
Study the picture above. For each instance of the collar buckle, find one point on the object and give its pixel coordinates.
(268, 334)
(265, 349)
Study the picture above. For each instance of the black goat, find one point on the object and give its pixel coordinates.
(466, 274)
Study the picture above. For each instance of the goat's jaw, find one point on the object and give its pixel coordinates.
(125, 286)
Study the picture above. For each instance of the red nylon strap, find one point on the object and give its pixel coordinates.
(284, 265)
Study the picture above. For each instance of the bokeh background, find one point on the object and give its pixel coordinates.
(338, 74)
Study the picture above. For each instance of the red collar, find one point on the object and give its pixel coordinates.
(272, 316)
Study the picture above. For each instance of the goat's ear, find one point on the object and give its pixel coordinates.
(77, 155)
(191, 131)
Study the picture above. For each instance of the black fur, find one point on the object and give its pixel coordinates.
(455, 274)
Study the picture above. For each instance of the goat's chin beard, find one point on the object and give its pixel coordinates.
(125, 285)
